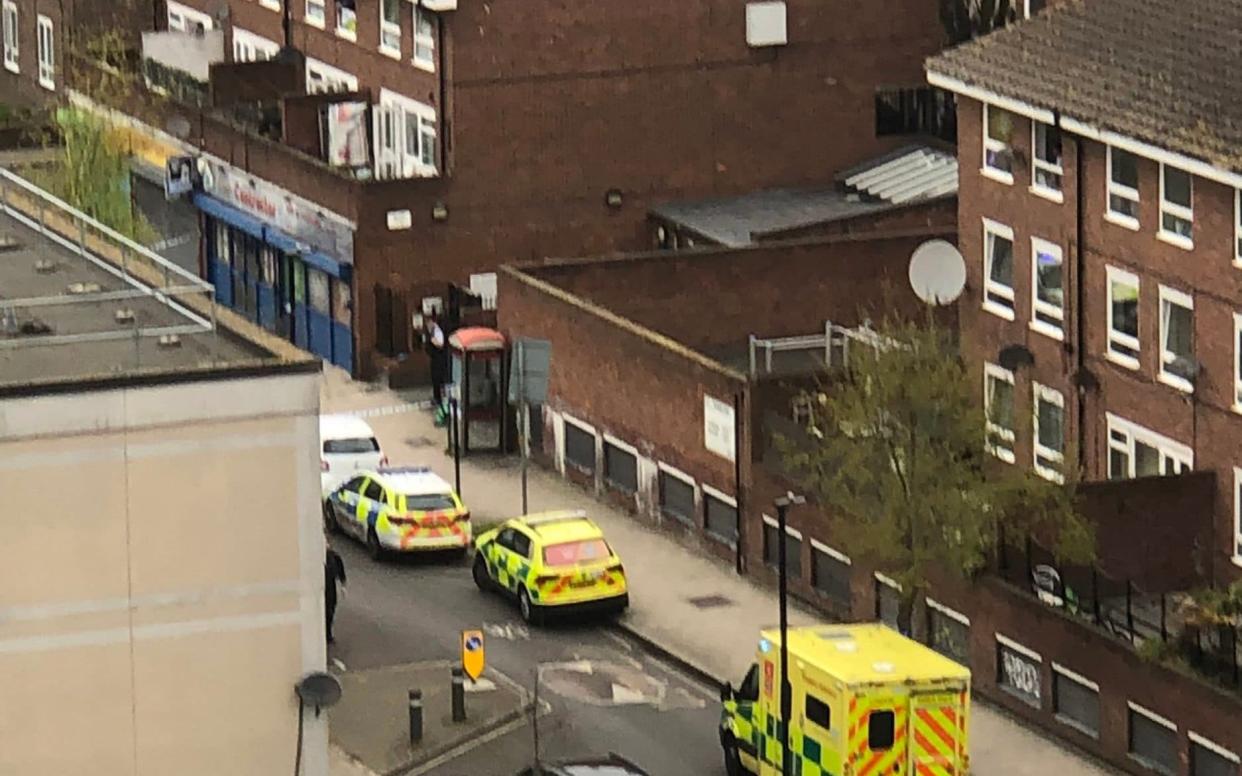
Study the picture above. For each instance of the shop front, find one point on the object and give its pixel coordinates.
(280, 261)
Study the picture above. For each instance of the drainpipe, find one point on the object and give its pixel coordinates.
(740, 559)
(1080, 262)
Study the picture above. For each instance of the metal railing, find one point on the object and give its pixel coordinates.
(827, 350)
(145, 273)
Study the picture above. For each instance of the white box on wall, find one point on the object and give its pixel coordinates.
(766, 24)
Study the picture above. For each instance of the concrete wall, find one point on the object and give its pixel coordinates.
(162, 590)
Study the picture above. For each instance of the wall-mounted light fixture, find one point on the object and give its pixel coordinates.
(613, 198)
(439, 212)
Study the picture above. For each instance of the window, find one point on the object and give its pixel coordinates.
(47, 54)
(1211, 759)
(322, 77)
(676, 495)
(1048, 283)
(354, 485)
(1134, 451)
(1237, 516)
(998, 269)
(948, 632)
(346, 19)
(571, 553)
(428, 502)
(1123, 320)
(425, 27)
(620, 467)
(1032, 7)
(579, 447)
(1176, 206)
(10, 36)
(830, 574)
(407, 146)
(1049, 432)
(1177, 338)
(1123, 196)
(880, 730)
(997, 154)
(818, 712)
(315, 13)
(719, 515)
(1237, 228)
(998, 406)
(919, 110)
(1237, 361)
(1046, 162)
(1153, 740)
(1018, 671)
(793, 548)
(358, 446)
(248, 47)
(273, 5)
(390, 27)
(374, 491)
(748, 690)
(182, 18)
(1076, 700)
(887, 601)
(521, 544)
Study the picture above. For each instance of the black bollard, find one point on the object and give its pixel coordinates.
(416, 716)
(459, 695)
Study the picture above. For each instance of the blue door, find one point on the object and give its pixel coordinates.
(218, 252)
(267, 288)
(297, 273)
(319, 311)
(342, 334)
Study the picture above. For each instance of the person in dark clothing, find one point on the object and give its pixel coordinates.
(333, 570)
(433, 341)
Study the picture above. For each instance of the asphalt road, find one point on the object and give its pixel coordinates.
(604, 693)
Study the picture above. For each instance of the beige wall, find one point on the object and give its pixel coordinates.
(162, 588)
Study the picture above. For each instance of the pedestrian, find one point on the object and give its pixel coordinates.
(433, 341)
(333, 570)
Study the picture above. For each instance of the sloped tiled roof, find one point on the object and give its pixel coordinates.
(1166, 72)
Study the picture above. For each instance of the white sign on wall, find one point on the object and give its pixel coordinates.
(718, 424)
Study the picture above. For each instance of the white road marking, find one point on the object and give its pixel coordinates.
(336, 661)
(507, 631)
(544, 709)
(624, 696)
(392, 409)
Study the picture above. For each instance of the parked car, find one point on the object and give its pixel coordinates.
(402, 509)
(347, 445)
(613, 765)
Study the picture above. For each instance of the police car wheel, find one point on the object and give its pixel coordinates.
(479, 572)
(329, 519)
(374, 548)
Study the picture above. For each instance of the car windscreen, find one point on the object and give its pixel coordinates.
(429, 502)
(569, 553)
(351, 446)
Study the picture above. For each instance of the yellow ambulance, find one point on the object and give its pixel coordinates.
(864, 701)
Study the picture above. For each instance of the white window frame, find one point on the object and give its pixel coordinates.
(949, 612)
(1237, 516)
(1172, 296)
(387, 29)
(887, 581)
(584, 427)
(187, 14)
(1214, 747)
(1041, 165)
(1162, 721)
(1112, 188)
(318, 19)
(12, 34)
(1177, 211)
(990, 287)
(271, 5)
(836, 555)
(333, 79)
(411, 165)
(47, 52)
(993, 372)
(426, 41)
(1038, 306)
(343, 32)
(1049, 463)
(1122, 339)
(248, 47)
(1169, 450)
(995, 173)
(1237, 228)
(1237, 362)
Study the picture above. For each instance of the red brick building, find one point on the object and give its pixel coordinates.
(444, 139)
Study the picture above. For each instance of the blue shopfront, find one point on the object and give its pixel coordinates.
(300, 290)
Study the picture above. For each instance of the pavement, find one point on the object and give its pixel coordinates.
(695, 643)
(370, 724)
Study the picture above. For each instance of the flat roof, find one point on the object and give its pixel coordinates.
(69, 316)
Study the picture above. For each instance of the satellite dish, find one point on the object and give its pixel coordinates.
(319, 689)
(937, 272)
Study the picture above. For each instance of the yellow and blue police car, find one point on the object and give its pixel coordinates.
(399, 509)
(552, 562)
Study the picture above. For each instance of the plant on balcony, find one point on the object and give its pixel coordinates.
(896, 447)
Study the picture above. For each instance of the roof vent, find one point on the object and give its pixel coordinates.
(124, 315)
(83, 288)
(170, 341)
(45, 266)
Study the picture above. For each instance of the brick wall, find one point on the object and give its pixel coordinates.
(939, 216)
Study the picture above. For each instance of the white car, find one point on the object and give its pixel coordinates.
(347, 445)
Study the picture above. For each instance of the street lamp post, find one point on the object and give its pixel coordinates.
(782, 506)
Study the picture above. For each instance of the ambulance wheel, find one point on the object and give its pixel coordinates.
(733, 762)
(530, 614)
(479, 572)
(374, 548)
(329, 520)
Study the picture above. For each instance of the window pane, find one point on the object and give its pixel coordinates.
(887, 604)
(1179, 330)
(1048, 144)
(830, 576)
(1177, 186)
(425, 24)
(1019, 674)
(818, 712)
(1076, 702)
(620, 468)
(1048, 268)
(1000, 403)
(948, 636)
(1000, 124)
(1000, 264)
(1125, 308)
(770, 548)
(1205, 762)
(579, 448)
(720, 518)
(1146, 460)
(1051, 426)
(1153, 742)
(1125, 168)
(880, 729)
(1118, 464)
(676, 497)
(392, 11)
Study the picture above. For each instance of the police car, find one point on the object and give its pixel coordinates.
(551, 562)
(399, 509)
